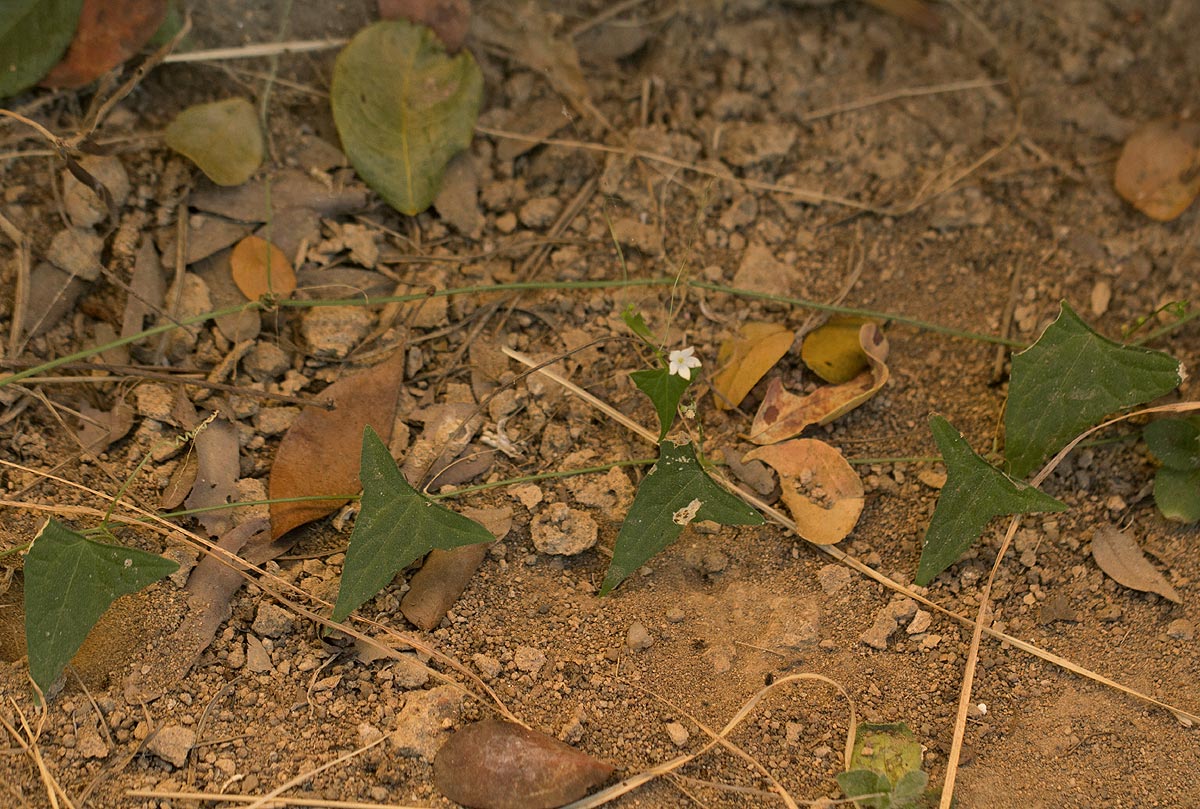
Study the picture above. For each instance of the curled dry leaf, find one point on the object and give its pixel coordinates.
(1119, 556)
(1159, 169)
(833, 351)
(746, 359)
(319, 455)
(783, 415)
(260, 268)
(501, 765)
(821, 490)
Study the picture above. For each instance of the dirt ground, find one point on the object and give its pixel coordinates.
(989, 193)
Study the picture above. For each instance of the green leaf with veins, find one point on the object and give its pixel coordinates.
(70, 581)
(676, 492)
(665, 389)
(1068, 381)
(396, 526)
(975, 492)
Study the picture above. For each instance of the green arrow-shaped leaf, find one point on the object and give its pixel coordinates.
(974, 493)
(396, 526)
(403, 108)
(665, 389)
(676, 492)
(70, 581)
(1068, 381)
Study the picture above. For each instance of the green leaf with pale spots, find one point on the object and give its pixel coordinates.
(975, 493)
(396, 526)
(70, 581)
(676, 492)
(403, 108)
(1068, 381)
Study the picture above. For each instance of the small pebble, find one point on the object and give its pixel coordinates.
(638, 637)
(678, 733)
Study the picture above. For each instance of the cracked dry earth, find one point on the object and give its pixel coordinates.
(765, 92)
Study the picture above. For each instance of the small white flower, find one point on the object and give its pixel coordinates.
(682, 362)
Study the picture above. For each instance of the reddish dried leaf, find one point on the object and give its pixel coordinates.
(501, 765)
(783, 415)
(1159, 169)
(821, 490)
(216, 475)
(746, 359)
(109, 32)
(319, 455)
(449, 19)
(260, 268)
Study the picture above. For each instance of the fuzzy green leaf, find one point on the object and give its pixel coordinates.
(70, 581)
(975, 492)
(665, 389)
(676, 492)
(1068, 381)
(403, 108)
(1175, 443)
(396, 526)
(1177, 494)
(34, 34)
(866, 782)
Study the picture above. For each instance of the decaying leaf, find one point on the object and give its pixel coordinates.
(222, 138)
(783, 415)
(403, 108)
(260, 268)
(109, 32)
(319, 455)
(501, 765)
(449, 19)
(102, 427)
(746, 359)
(1159, 169)
(216, 475)
(1118, 555)
(821, 490)
(834, 351)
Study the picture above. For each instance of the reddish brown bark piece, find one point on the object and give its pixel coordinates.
(320, 453)
(449, 19)
(109, 32)
(501, 765)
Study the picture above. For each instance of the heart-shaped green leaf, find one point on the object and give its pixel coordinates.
(222, 138)
(33, 35)
(974, 493)
(676, 492)
(396, 526)
(403, 108)
(1068, 381)
(70, 581)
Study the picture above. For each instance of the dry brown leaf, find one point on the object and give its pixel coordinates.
(101, 428)
(783, 415)
(1159, 169)
(108, 33)
(820, 489)
(1119, 556)
(260, 268)
(501, 765)
(449, 19)
(746, 359)
(319, 454)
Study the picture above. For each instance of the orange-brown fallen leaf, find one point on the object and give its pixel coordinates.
(783, 415)
(319, 454)
(1159, 169)
(745, 359)
(108, 33)
(821, 490)
(260, 268)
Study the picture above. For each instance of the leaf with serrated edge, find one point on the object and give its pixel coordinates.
(975, 492)
(676, 492)
(403, 108)
(396, 526)
(1119, 556)
(1068, 381)
(70, 581)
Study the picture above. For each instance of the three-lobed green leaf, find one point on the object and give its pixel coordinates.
(403, 108)
(1068, 381)
(70, 581)
(975, 492)
(675, 492)
(396, 526)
